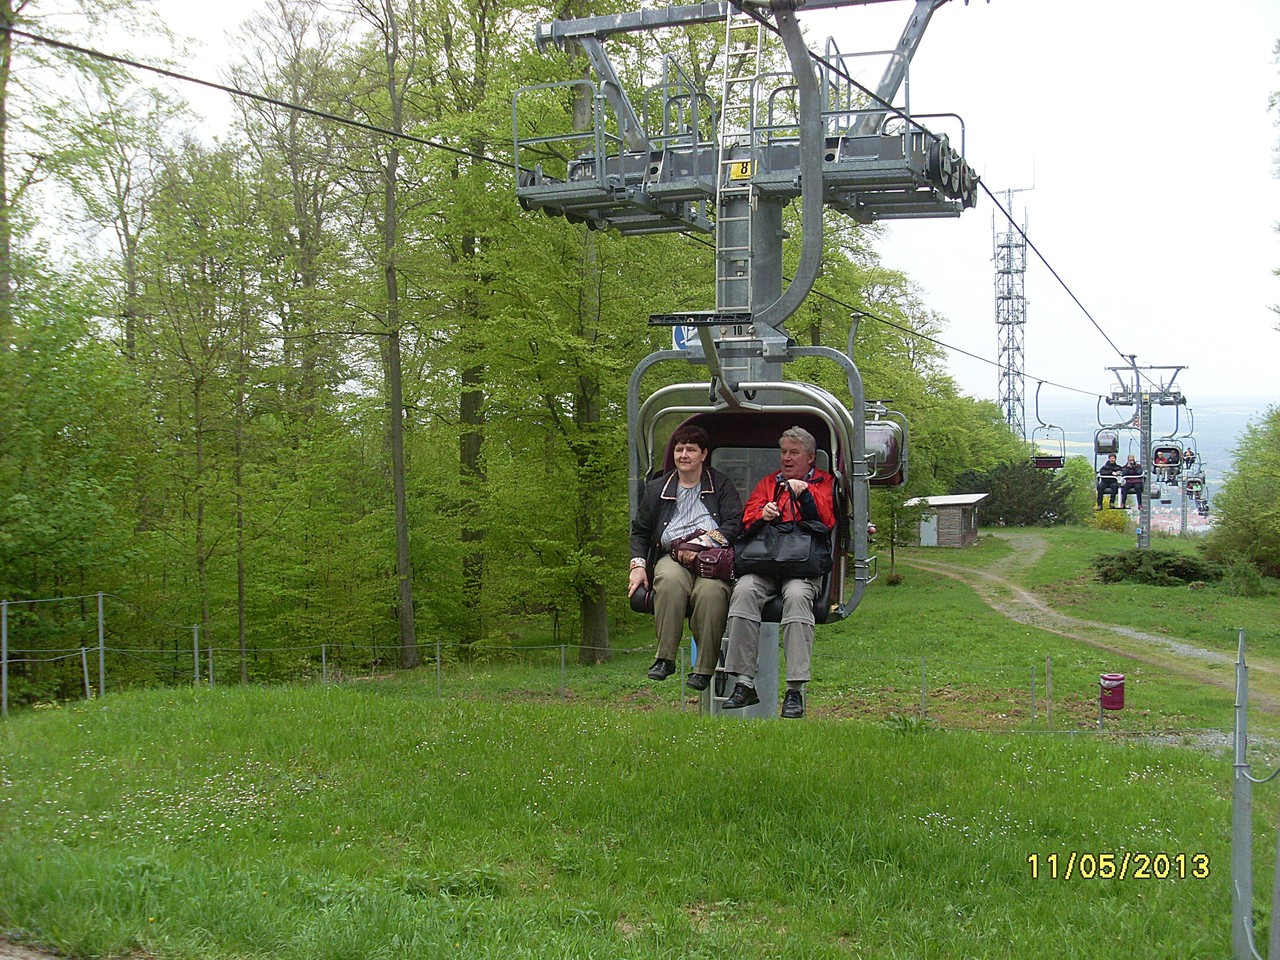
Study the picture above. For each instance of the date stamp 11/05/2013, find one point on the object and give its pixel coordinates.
(1078, 865)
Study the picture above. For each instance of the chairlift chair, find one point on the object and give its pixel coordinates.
(743, 444)
(1105, 443)
(1166, 460)
(1047, 435)
(744, 425)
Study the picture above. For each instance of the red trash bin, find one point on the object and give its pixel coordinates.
(1111, 691)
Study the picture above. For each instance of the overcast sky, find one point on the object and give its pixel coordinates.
(1144, 129)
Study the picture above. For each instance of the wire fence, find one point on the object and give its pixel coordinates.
(908, 690)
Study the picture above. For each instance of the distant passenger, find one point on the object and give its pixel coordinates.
(1133, 480)
(1108, 480)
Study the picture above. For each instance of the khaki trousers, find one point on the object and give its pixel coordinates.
(677, 592)
(749, 597)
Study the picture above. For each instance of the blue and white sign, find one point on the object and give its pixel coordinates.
(682, 335)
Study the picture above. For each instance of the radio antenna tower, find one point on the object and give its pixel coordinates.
(1011, 316)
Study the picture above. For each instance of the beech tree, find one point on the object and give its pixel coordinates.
(1247, 509)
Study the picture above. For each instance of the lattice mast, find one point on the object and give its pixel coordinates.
(1010, 256)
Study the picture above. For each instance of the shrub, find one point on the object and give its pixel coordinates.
(1116, 521)
(1158, 567)
(1242, 579)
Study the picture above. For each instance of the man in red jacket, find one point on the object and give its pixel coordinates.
(798, 491)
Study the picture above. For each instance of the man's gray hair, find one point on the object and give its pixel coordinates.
(802, 436)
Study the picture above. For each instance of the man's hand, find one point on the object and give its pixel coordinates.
(639, 578)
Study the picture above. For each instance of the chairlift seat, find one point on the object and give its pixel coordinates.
(759, 430)
(884, 446)
(1049, 462)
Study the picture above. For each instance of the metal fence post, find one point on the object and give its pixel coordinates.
(4, 658)
(84, 667)
(102, 651)
(923, 688)
(439, 674)
(211, 666)
(1033, 696)
(563, 685)
(693, 646)
(1048, 691)
(1241, 822)
(195, 648)
(324, 665)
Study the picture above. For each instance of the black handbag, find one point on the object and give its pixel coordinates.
(785, 550)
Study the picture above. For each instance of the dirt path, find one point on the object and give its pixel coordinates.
(11, 951)
(1169, 653)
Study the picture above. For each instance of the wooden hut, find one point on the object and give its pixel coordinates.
(948, 521)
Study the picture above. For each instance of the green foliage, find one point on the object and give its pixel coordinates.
(1113, 521)
(1019, 495)
(1241, 578)
(64, 505)
(1247, 510)
(1158, 567)
(1078, 474)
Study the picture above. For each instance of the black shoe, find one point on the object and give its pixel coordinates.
(662, 669)
(742, 696)
(793, 705)
(698, 681)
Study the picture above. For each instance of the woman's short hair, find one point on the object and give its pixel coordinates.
(690, 433)
(801, 436)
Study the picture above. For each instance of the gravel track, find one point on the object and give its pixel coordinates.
(1170, 653)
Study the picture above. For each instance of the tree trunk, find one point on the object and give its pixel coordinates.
(404, 568)
(202, 565)
(391, 345)
(8, 17)
(593, 602)
(471, 469)
(242, 374)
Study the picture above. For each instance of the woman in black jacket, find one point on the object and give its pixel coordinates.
(690, 498)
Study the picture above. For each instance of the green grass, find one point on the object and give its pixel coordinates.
(1207, 616)
(522, 805)
(376, 821)
(979, 668)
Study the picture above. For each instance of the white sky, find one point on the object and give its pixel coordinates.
(1143, 126)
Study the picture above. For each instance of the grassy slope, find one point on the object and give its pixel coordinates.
(371, 822)
(375, 820)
